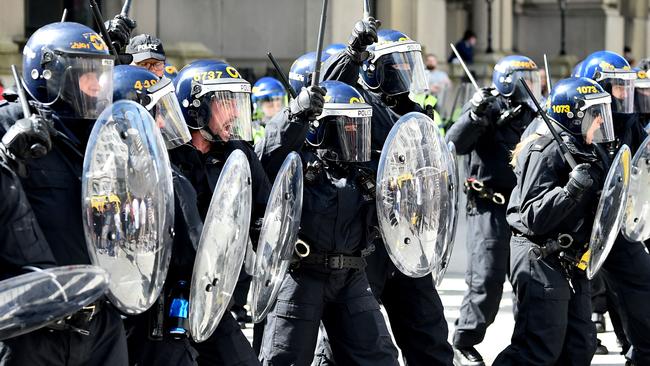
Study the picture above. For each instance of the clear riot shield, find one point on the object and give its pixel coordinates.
(33, 300)
(278, 236)
(636, 224)
(444, 249)
(611, 208)
(128, 204)
(222, 247)
(413, 194)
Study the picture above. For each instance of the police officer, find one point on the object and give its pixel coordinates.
(268, 98)
(215, 101)
(327, 281)
(147, 51)
(385, 81)
(551, 212)
(63, 65)
(488, 131)
(153, 339)
(627, 267)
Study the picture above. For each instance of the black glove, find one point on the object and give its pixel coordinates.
(579, 181)
(119, 29)
(29, 138)
(481, 102)
(363, 35)
(309, 103)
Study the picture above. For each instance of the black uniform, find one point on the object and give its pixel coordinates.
(333, 224)
(488, 239)
(413, 306)
(627, 268)
(159, 350)
(227, 345)
(53, 188)
(553, 320)
(22, 243)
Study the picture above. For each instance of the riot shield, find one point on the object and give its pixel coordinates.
(611, 208)
(128, 204)
(222, 247)
(445, 247)
(637, 213)
(33, 300)
(278, 236)
(413, 194)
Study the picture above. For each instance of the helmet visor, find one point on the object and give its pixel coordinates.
(621, 87)
(230, 115)
(597, 123)
(642, 99)
(401, 72)
(86, 85)
(164, 106)
(354, 138)
(533, 80)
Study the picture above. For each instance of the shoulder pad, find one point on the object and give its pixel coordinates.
(3, 103)
(541, 143)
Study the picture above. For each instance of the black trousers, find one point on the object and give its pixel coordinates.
(627, 270)
(553, 322)
(414, 310)
(488, 248)
(350, 313)
(106, 345)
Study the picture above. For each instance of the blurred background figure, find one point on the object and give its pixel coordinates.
(465, 48)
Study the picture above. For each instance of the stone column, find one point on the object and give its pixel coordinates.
(12, 27)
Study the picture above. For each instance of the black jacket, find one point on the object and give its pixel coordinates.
(203, 171)
(22, 243)
(539, 207)
(334, 208)
(490, 147)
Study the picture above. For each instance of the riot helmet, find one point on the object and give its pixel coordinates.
(343, 129)
(581, 107)
(157, 96)
(268, 97)
(68, 67)
(395, 66)
(507, 73)
(615, 75)
(301, 70)
(215, 100)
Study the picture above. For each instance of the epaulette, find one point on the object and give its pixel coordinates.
(541, 143)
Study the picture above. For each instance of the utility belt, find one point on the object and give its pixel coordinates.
(477, 189)
(562, 248)
(333, 261)
(79, 322)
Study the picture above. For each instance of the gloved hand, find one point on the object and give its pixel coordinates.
(29, 138)
(481, 102)
(309, 103)
(579, 181)
(119, 29)
(363, 35)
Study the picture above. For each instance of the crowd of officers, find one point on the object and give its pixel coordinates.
(325, 313)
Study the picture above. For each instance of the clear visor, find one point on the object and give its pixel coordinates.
(170, 120)
(354, 138)
(230, 115)
(86, 84)
(533, 80)
(622, 92)
(401, 72)
(642, 99)
(597, 124)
